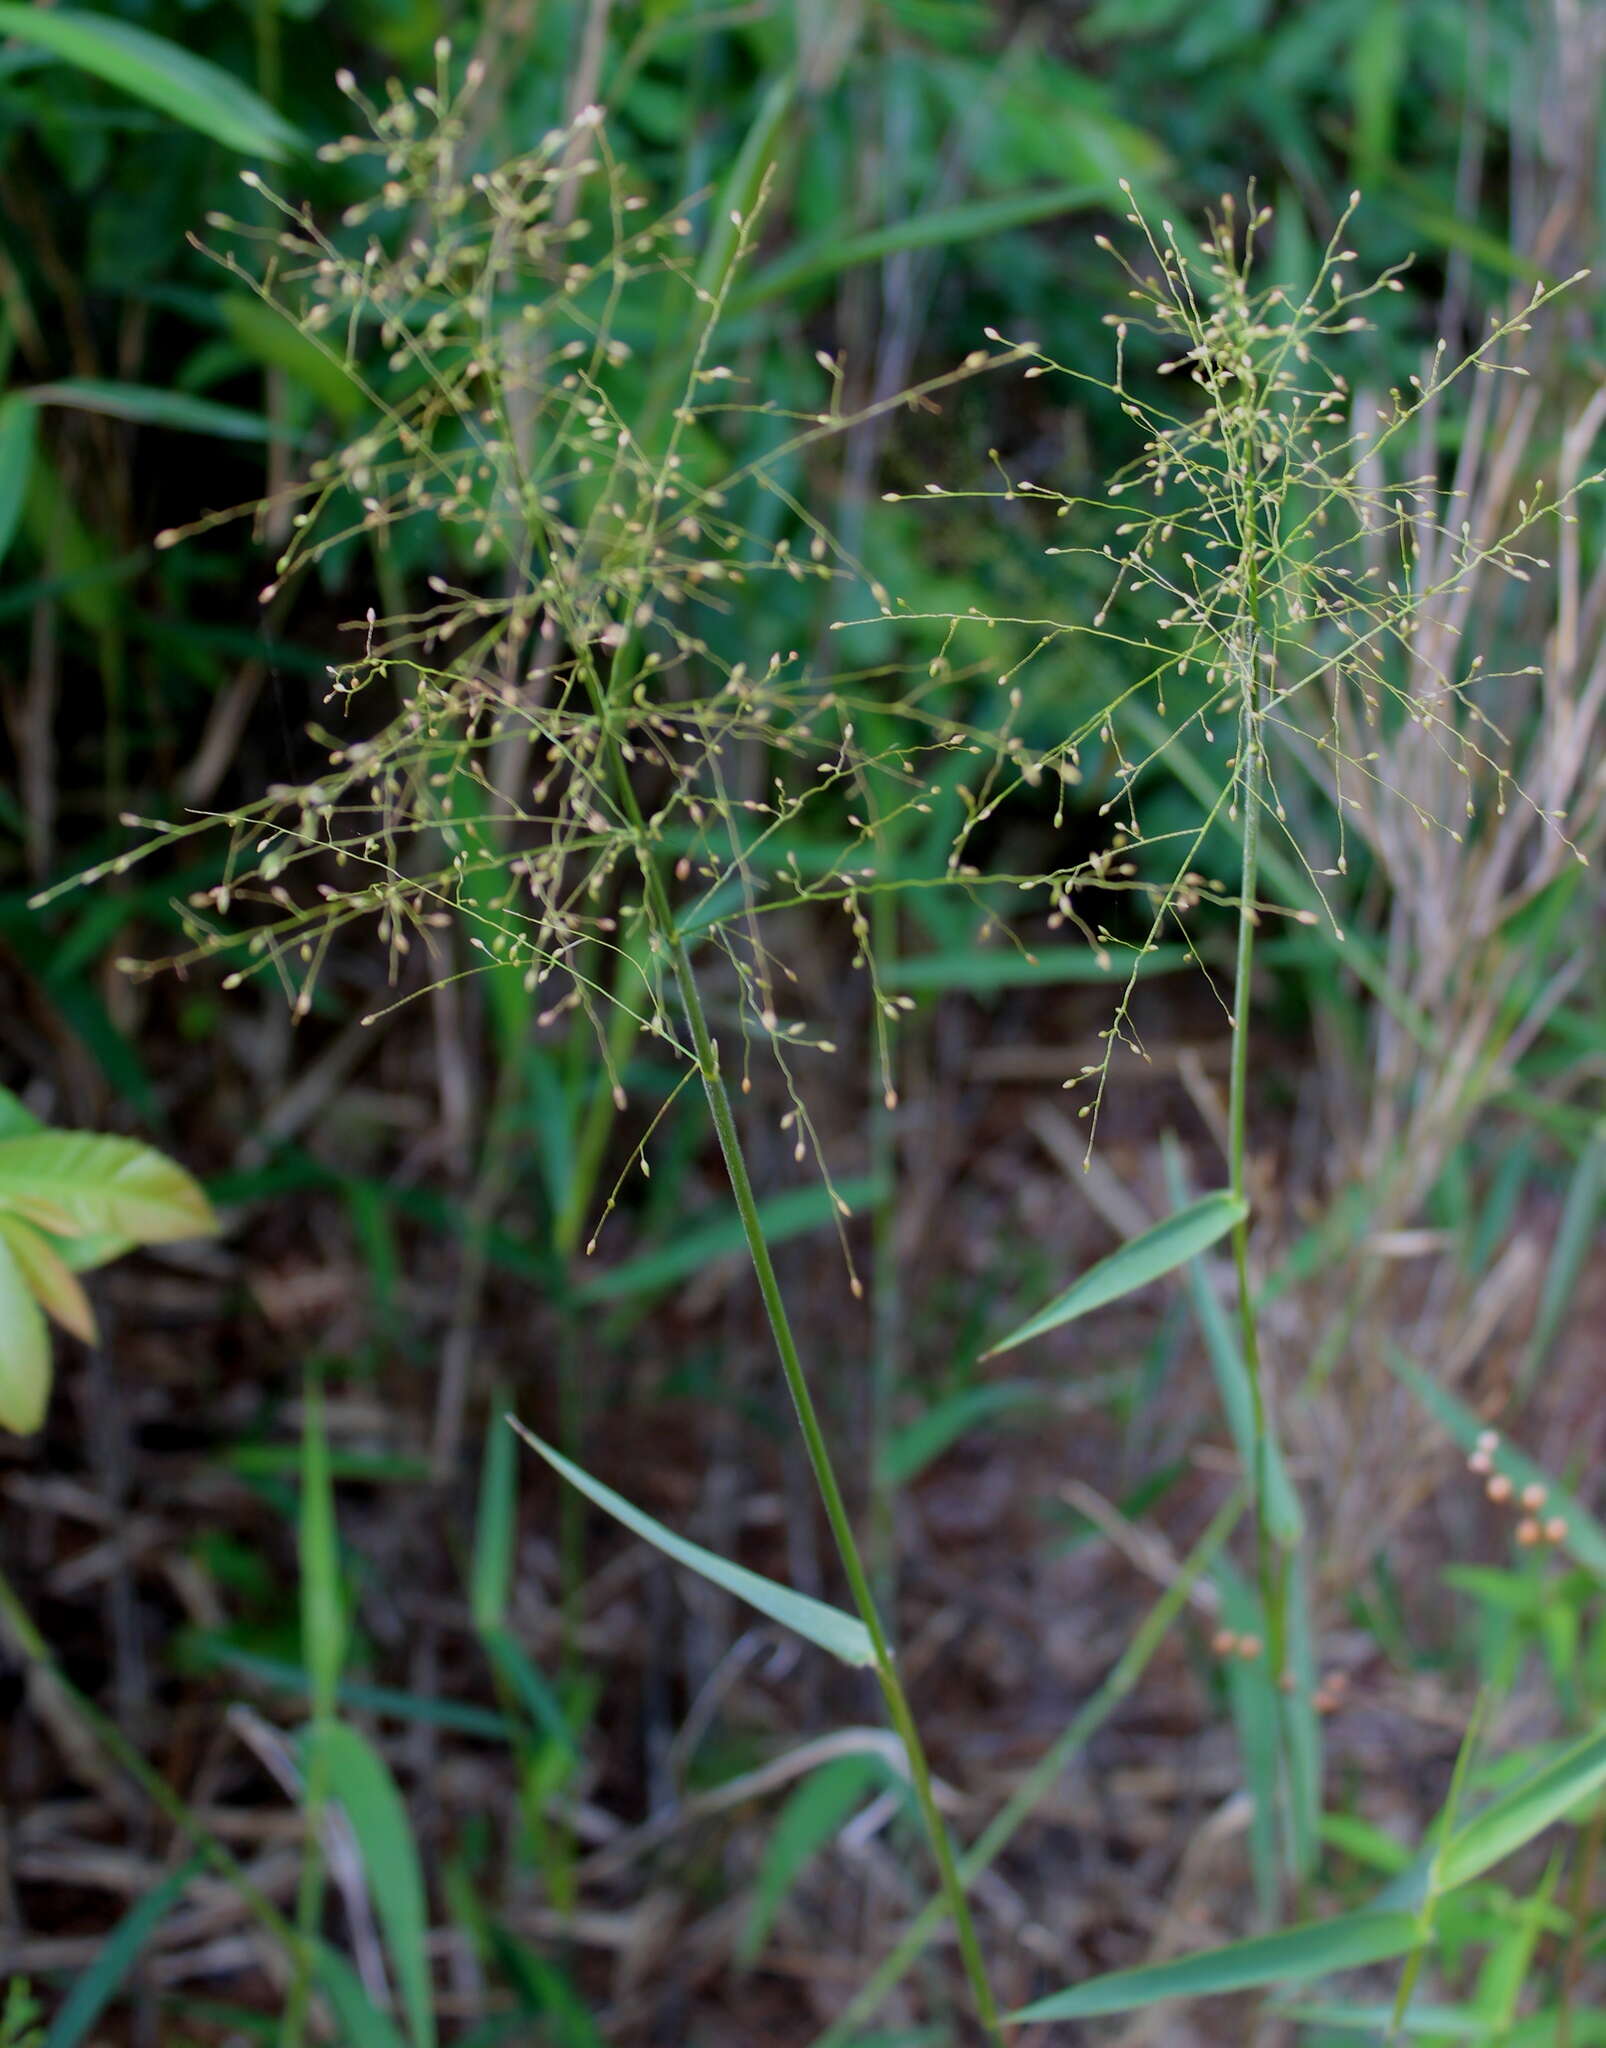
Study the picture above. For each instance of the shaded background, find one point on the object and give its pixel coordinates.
(938, 167)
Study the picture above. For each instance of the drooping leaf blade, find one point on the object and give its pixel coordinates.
(1315, 1949)
(200, 94)
(1155, 1252)
(150, 405)
(118, 1953)
(844, 1635)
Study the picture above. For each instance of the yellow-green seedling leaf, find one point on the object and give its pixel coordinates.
(199, 94)
(24, 1350)
(323, 1620)
(1316, 1949)
(1583, 1538)
(1527, 1810)
(814, 1811)
(19, 425)
(54, 1284)
(1141, 1259)
(113, 1188)
(842, 1634)
(360, 1779)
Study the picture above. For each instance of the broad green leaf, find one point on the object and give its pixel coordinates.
(1140, 1260)
(1517, 1816)
(19, 424)
(53, 1283)
(189, 88)
(1313, 1950)
(360, 1778)
(24, 1350)
(1585, 1538)
(148, 405)
(813, 1812)
(114, 1186)
(323, 1623)
(115, 1958)
(842, 1634)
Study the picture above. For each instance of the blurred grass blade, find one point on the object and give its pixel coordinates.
(526, 1682)
(1574, 1235)
(148, 405)
(1283, 1517)
(783, 1216)
(189, 88)
(495, 1527)
(359, 1777)
(1517, 1816)
(266, 333)
(825, 256)
(740, 192)
(981, 970)
(844, 1635)
(19, 430)
(1585, 1538)
(1140, 1260)
(361, 2023)
(323, 1627)
(1313, 1950)
(814, 1811)
(911, 1449)
(94, 1990)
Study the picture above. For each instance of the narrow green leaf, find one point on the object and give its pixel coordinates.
(527, 1684)
(842, 1634)
(114, 1186)
(94, 1990)
(54, 1284)
(148, 405)
(323, 1624)
(1527, 1810)
(1586, 1192)
(24, 1350)
(1142, 1259)
(980, 971)
(813, 1812)
(199, 94)
(360, 1779)
(19, 430)
(1585, 1538)
(1313, 1950)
